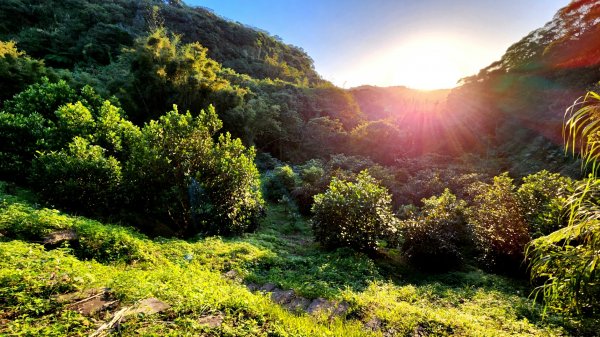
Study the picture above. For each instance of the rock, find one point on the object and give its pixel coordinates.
(252, 287)
(148, 306)
(318, 305)
(268, 287)
(79, 295)
(232, 274)
(297, 304)
(341, 309)
(374, 324)
(282, 296)
(321, 305)
(212, 321)
(61, 236)
(89, 302)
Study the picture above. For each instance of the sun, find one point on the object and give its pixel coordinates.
(424, 62)
(426, 65)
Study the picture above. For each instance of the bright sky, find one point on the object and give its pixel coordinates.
(423, 44)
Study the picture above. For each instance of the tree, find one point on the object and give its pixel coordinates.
(165, 72)
(17, 70)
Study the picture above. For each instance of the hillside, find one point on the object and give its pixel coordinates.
(519, 101)
(86, 33)
(398, 102)
(87, 274)
(165, 171)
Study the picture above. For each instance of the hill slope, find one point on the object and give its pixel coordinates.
(87, 274)
(92, 32)
(519, 101)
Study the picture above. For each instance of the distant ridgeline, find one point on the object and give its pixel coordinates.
(268, 93)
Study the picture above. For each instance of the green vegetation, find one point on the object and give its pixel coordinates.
(354, 214)
(565, 262)
(434, 239)
(187, 276)
(137, 139)
(499, 229)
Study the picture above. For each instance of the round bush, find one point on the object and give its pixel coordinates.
(433, 240)
(280, 182)
(80, 178)
(354, 214)
(499, 229)
(542, 197)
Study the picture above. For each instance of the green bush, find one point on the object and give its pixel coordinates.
(232, 202)
(542, 196)
(280, 182)
(18, 142)
(354, 214)
(565, 261)
(311, 172)
(499, 229)
(81, 178)
(178, 175)
(434, 239)
(314, 180)
(46, 116)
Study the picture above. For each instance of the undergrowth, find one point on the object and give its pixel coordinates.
(188, 276)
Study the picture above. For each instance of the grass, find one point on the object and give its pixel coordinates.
(188, 276)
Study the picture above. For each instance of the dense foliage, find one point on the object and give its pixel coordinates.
(17, 70)
(542, 196)
(158, 115)
(565, 262)
(82, 154)
(499, 228)
(354, 214)
(435, 239)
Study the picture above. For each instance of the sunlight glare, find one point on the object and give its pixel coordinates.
(425, 63)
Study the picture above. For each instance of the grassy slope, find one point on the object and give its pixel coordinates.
(187, 275)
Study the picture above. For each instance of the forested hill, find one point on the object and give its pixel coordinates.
(83, 33)
(519, 101)
(151, 54)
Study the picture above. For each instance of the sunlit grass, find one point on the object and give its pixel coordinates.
(188, 276)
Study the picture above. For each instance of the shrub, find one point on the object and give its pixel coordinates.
(81, 178)
(265, 161)
(353, 214)
(542, 198)
(179, 175)
(314, 180)
(498, 226)
(311, 172)
(44, 117)
(18, 142)
(232, 202)
(433, 240)
(280, 182)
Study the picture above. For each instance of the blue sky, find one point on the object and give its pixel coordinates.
(419, 43)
